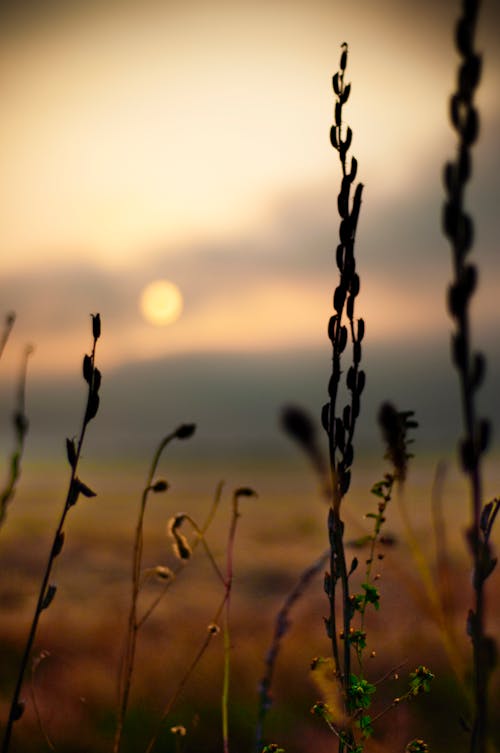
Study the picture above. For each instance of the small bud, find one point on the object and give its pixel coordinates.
(58, 544)
(159, 486)
(213, 629)
(245, 491)
(49, 597)
(96, 326)
(184, 431)
(87, 368)
(71, 452)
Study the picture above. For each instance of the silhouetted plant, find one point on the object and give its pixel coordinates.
(470, 365)
(340, 424)
(20, 425)
(181, 548)
(76, 488)
(348, 714)
(134, 621)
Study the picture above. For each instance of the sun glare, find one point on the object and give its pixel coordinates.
(161, 303)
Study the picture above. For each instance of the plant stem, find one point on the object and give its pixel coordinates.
(134, 624)
(44, 597)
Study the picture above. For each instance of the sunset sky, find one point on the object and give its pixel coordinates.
(188, 141)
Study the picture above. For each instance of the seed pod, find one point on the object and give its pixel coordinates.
(356, 352)
(343, 198)
(470, 128)
(340, 257)
(96, 326)
(361, 329)
(354, 169)
(469, 75)
(87, 368)
(335, 84)
(331, 327)
(245, 491)
(351, 379)
(343, 57)
(348, 455)
(325, 417)
(342, 339)
(333, 137)
(483, 435)
(159, 486)
(71, 452)
(339, 434)
(339, 299)
(96, 380)
(185, 431)
(347, 141)
(355, 285)
(58, 544)
(345, 482)
(49, 597)
(361, 382)
(477, 371)
(345, 94)
(92, 406)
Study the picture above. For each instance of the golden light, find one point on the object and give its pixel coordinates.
(161, 303)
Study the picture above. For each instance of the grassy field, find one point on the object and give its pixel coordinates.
(281, 532)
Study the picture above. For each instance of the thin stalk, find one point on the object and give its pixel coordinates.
(128, 660)
(7, 329)
(20, 423)
(458, 227)
(75, 487)
(213, 629)
(340, 424)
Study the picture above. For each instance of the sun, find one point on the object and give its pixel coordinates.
(161, 303)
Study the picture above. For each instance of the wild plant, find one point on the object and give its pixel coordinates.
(76, 489)
(135, 622)
(222, 614)
(20, 425)
(469, 363)
(340, 424)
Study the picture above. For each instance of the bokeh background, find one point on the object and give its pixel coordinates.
(189, 141)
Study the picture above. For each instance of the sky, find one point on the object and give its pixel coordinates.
(189, 141)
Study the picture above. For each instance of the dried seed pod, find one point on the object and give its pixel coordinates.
(185, 431)
(49, 597)
(87, 368)
(96, 326)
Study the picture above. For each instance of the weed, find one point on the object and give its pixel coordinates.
(470, 365)
(76, 488)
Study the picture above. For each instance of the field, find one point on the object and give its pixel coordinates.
(281, 532)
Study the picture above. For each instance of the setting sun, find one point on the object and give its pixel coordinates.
(161, 303)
